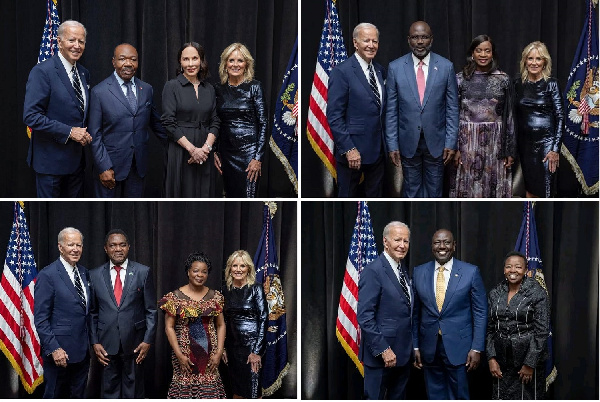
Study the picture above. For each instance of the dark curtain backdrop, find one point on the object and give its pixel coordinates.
(485, 232)
(162, 234)
(512, 24)
(157, 29)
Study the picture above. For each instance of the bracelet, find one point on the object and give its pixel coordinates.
(209, 147)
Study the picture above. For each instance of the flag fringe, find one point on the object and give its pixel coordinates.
(321, 155)
(551, 377)
(578, 173)
(277, 384)
(16, 367)
(286, 163)
(350, 352)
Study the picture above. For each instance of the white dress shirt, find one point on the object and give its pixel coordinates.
(416, 62)
(396, 268)
(68, 67)
(122, 273)
(124, 88)
(71, 271)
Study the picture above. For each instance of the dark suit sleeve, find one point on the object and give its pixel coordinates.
(369, 292)
(150, 306)
(479, 306)
(261, 304)
(101, 158)
(155, 124)
(37, 97)
(416, 321)
(337, 105)
(261, 117)
(490, 348)
(93, 316)
(43, 307)
(391, 114)
(451, 110)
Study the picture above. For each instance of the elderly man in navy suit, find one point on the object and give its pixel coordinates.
(384, 315)
(450, 319)
(422, 114)
(355, 113)
(62, 297)
(56, 105)
(123, 318)
(122, 113)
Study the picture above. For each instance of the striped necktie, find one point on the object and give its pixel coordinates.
(404, 283)
(77, 88)
(131, 96)
(373, 85)
(79, 286)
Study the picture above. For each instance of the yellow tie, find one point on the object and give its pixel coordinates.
(440, 289)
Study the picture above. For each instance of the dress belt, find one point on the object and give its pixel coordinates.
(190, 124)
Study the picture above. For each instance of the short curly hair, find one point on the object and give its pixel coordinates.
(197, 256)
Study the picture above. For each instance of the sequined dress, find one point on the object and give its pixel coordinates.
(246, 322)
(243, 134)
(197, 337)
(517, 333)
(540, 126)
(486, 136)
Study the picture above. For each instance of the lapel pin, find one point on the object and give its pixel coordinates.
(131, 273)
(455, 274)
(435, 68)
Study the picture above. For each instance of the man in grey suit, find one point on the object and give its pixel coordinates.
(422, 114)
(123, 318)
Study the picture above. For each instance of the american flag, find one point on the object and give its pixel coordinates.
(527, 244)
(276, 364)
(19, 340)
(362, 251)
(49, 43)
(332, 51)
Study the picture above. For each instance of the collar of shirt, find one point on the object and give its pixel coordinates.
(426, 59)
(393, 263)
(68, 66)
(447, 266)
(70, 269)
(124, 265)
(123, 87)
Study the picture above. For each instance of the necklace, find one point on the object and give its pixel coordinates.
(234, 85)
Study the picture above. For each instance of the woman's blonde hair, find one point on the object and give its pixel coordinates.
(243, 254)
(248, 71)
(543, 51)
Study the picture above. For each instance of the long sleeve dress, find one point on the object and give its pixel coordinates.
(246, 322)
(540, 123)
(517, 333)
(243, 134)
(486, 135)
(197, 337)
(184, 114)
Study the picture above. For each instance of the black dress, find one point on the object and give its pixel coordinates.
(517, 333)
(540, 125)
(246, 323)
(243, 135)
(186, 115)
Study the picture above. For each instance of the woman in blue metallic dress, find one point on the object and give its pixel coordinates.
(243, 132)
(246, 324)
(540, 120)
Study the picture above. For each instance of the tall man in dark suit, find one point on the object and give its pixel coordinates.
(355, 113)
(384, 315)
(60, 314)
(122, 113)
(56, 105)
(422, 114)
(123, 318)
(450, 320)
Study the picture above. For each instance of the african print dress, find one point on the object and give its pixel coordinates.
(197, 338)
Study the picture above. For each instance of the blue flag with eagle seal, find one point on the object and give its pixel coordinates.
(275, 361)
(582, 95)
(284, 139)
(527, 244)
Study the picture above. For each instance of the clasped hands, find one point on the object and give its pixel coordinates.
(473, 359)
(80, 135)
(198, 155)
(525, 373)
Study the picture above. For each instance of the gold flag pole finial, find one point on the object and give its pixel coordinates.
(272, 207)
(22, 204)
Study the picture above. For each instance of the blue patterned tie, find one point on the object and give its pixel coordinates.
(77, 88)
(130, 96)
(373, 85)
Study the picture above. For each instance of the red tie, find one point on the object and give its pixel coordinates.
(421, 81)
(118, 286)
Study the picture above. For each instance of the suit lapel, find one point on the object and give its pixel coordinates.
(129, 276)
(430, 275)
(393, 278)
(431, 77)
(64, 78)
(62, 272)
(85, 86)
(452, 283)
(411, 78)
(115, 89)
(108, 283)
(360, 75)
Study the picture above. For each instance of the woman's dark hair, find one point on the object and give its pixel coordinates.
(471, 65)
(203, 73)
(515, 253)
(197, 256)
